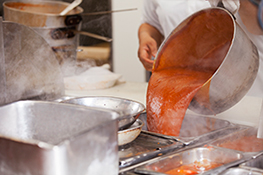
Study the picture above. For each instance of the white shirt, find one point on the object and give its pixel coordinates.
(165, 15)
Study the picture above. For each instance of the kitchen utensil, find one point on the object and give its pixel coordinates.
(254, 164)
(198, 129)
(129, 110)
(31, 68)
(41, 14)
(145, 147)
(50, 138)
(93, 35)
(130, 134)
(201, 158)
(71, 6)
(244, 140)
(234, 77)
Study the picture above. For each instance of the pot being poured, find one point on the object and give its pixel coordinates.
(207, 64)
(233, 78)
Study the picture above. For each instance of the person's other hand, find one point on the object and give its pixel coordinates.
(231, 5)
(147, 50)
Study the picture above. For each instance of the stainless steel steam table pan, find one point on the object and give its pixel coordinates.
(244, 140)
(197, 129)
(50, 138)
(255, 164)
(239, 171)
(145, 147)
(199, 160)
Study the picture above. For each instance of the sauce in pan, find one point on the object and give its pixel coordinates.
(186, 62)
(194, 168)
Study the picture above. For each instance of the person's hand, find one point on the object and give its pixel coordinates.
(147, 50)
(231, 5)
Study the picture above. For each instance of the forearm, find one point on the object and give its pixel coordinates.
(146, 30)
(248, 14)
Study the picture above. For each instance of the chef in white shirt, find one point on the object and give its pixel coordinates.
(160, 17)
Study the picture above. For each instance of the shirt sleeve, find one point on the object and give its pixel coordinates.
(150, 16)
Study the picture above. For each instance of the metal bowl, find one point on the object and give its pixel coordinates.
(128, 110)
(128, 135)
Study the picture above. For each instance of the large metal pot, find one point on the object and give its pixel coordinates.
(41, 14)
(232, 80)
(58, 31)
(232, 77)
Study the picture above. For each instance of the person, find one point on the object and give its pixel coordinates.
(160, 17)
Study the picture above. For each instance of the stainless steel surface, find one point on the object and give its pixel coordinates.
(260, 123)
(146, 146)
(130, 134)
(2, 66)
(129, 110)
(31, 67)
(239, 171)
(254, 164)
(234, 77)
(64, 43)
(198, 129)
(51, 138)
(43, 17)
(205, 155)
(243, 147)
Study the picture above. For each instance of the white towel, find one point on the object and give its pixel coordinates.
(93, 78)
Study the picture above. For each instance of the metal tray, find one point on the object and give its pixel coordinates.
(239, 171)
(197, 129)
(254, 164)
(246, 131)
(146, 146)
(50, 138)
(201, 157)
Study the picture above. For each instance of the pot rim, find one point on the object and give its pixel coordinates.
(78, 9)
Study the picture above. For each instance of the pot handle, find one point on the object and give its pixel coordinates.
(93, 35)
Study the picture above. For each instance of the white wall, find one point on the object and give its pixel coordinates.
(125, 40)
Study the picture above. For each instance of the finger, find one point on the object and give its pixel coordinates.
(153, 49)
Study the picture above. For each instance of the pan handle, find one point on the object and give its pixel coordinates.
(93, 35)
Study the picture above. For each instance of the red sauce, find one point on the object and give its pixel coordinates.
(194, 168)
(245, 144)
(185, 63)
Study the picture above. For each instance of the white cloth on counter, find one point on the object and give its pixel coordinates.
(94, 78)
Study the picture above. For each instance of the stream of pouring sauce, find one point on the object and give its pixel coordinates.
(185, 63)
